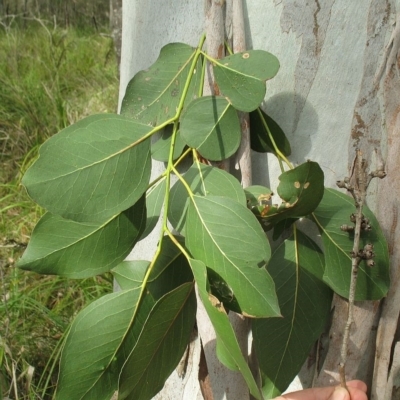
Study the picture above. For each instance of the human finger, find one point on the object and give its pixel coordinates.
(357, 384)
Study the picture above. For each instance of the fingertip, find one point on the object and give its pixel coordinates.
(340, 394)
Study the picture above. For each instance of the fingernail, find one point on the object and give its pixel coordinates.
(340, 394)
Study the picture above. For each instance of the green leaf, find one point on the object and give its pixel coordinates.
(301, 189)
(283, 344)
(226, 236)
(153, 95)
(129, 274)
(89, 351)
(161, 148)
(211, 126)
(78, 249)
(372, 283)
(154, 202)
(81, 173)
(228, 349)
(259, 138)
(160, 345)
(241, 77)
(107, 333)
(203, 180)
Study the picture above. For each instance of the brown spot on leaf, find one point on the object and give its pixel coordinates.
(306, 185)
(147, 78)
(246, 55)
(297, 185)
(216, 303)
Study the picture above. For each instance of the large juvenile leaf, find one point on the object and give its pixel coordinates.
(372, 283)
(301, 190)
(283, 344)
(241, 77)
(203, 180)
(260, 140)
(160, 345)
(82, 249)
(104, 334)
(211, 125)
(228, 349)
(152, 96)
(91, 170)
(154, 202)
(226, 236)
(89, 369)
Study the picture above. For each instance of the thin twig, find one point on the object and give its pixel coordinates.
(357, 185)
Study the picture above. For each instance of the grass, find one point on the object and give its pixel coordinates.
(49, 78)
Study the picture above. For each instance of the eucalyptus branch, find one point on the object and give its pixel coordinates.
(357, 185)
(243, 156)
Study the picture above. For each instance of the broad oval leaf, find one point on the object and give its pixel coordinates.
(241, 77)
(372, 283)
(211, 126)
(154, 202)
(105, 333)
(152, 96)
(82, 172)
(259, 137)
(301, 190)
(203, 180)
(160, 346)
(283, 344)
(228, 349)
(78, 249)
(91, 345)
(227, 238)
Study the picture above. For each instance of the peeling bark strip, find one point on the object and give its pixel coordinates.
(296, 17)
(388, 212)
(215, 32)
(367, 121)
(239, 44)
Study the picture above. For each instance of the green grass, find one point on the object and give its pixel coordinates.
(48, 80)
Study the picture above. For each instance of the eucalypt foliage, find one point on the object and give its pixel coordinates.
(93, 178)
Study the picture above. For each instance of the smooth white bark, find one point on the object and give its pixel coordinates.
(324, 97)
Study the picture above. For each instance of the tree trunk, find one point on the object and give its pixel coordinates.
(116, 27)
(337, 89)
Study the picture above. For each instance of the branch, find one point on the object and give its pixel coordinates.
(357, 185)
(243, 157)
(215, 34)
